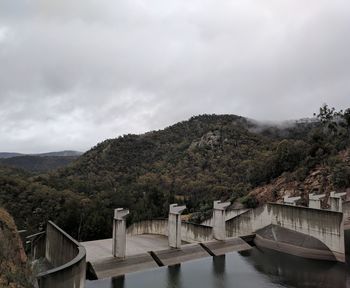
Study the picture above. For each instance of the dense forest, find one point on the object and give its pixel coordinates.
(194, 162)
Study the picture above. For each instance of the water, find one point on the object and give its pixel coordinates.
(249, 269)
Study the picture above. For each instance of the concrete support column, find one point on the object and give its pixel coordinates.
(315, 200)
(174, 225)
(335, 201)
(291, 200)
(219, 227)
(119, 232)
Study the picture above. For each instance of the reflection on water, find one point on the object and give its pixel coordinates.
(296, 271)
(254, 268)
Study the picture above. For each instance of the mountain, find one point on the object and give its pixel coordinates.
(208, 157)
(5, 155)
(42, 162)
(64, 153)
(38, 163)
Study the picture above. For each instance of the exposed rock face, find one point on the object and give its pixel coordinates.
(211, 139)
(318, 181)
(14, 272)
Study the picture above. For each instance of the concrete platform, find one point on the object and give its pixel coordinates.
(112, 267)
(217, 248)
(102, 249)
(186, 253)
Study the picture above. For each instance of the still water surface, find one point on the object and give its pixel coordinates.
(248, 269)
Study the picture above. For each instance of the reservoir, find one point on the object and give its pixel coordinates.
(248, 269)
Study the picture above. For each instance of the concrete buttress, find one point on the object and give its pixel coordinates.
(174, 225)
(119, 232)
(219, 227)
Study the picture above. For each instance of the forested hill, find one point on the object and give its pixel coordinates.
(193, 162)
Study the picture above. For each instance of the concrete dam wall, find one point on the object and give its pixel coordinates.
(67, 256)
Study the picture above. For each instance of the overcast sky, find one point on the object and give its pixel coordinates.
(73, 73)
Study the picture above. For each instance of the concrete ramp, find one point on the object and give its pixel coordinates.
(185, 253)
(217, 248)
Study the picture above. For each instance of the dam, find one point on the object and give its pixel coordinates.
(308, 232)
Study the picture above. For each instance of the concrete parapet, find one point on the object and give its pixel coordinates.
(67, 257)
(291, 200)
(315, 200)
(174, 225)
(119, 232)
(219, 219)
(335, 200)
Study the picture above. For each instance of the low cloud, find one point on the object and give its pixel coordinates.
(73, 73)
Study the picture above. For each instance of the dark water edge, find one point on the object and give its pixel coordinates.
(254, 268)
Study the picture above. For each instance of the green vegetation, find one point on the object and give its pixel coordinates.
(194, 162)
(14, 272)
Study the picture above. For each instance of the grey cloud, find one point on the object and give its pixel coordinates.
(73, 73)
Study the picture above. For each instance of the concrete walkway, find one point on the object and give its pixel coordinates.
(99, 253)
(135, 245)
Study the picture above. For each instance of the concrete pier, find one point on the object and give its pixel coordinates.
(119, 233)
(219, 214)
(315, 200)
(336, 201)
(174, 225)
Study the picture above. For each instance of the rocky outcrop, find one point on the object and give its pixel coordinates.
(14, 272)
(318, 181)
(210, 139)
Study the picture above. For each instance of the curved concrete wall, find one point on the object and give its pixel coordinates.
(327, 226)
(190, 232)
(158, 227)
(67, 256)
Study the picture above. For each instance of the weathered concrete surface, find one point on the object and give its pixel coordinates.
(291, 200)
(315, 200)
(157, 227)
(218, 248)
(219, 217)
(192, 233)
(291, 242)
(229, 214)
(346, 212)
(174, 225)
(335, 200)
(99, 250)
(185, 253)
(327, 226)
(119, 232)
(66, 256)
(112, 267)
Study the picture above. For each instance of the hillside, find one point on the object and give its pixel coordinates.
(14, 272)
(193, 162)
